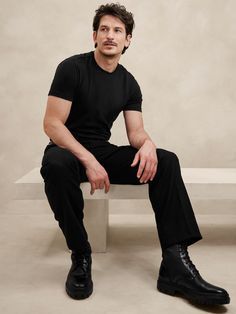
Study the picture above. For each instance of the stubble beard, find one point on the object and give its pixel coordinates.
(109, 54)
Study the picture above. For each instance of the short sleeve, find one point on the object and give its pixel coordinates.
(64, 81)
(134, 101)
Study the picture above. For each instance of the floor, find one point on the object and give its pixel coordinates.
(34, 262)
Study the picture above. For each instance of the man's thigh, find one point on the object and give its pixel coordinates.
(115, 159)
(118, 163)
(57, 159)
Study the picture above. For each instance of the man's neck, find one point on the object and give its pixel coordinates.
(107, 63)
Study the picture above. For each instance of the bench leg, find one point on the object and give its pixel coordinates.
(96, 223)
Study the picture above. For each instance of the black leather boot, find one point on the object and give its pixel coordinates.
(79, 283)
(178, 274)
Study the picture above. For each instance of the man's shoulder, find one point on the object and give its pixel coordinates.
(77, 58)
(129, 75)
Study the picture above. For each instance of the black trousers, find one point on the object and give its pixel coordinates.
(63, 173)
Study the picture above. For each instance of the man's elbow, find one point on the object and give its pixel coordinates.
(49, 125)
(46, 126)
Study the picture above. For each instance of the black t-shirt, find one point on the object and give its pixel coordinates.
(97, 96)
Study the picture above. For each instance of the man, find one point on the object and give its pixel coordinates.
(87, 94)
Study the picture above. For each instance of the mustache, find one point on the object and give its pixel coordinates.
(110, 43)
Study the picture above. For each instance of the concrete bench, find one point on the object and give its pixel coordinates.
(200, 183)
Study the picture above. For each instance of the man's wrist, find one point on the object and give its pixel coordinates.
(84, 156)
(87, 160)
(150, 141)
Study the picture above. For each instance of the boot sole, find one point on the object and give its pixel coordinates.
(79, 294)
(171, 289)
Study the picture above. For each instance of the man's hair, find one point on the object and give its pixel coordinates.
(116, 10)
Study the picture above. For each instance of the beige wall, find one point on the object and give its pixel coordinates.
(182, 54)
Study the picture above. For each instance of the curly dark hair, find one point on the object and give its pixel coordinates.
(116, 10)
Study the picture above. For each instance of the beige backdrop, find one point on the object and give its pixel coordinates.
(182, 54)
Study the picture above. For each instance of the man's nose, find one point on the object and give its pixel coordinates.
(110, 34)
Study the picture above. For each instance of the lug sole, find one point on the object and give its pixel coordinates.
(79, 294)
(172, 290)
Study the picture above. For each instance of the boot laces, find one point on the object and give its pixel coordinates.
(80, 265)
(187, 261)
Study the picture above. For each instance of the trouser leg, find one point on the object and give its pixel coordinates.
(63, 173)
(175, 219)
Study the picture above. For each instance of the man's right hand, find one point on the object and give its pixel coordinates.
(97, 176)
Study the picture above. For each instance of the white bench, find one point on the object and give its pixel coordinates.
(200, 183)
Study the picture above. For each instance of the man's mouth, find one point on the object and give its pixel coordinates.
(109, 44)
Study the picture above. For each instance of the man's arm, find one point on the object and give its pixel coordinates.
(135, 129)
(139, 139)
(57, 112)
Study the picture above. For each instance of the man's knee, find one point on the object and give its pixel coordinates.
(166, 157)
(58, 162)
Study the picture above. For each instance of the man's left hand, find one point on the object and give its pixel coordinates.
(148, 161)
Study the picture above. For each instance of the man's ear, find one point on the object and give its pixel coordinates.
(94, 36)
(128, 40)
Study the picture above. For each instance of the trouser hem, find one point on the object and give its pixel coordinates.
(186, 241)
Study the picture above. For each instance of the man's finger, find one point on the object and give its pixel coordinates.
(147, 172)
(135, 161)
(107, 185)
(101, 185)
(151, 173)
(140, 168)
(154, 172)
(93, 188)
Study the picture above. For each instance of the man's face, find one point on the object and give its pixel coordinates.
(111, 36)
